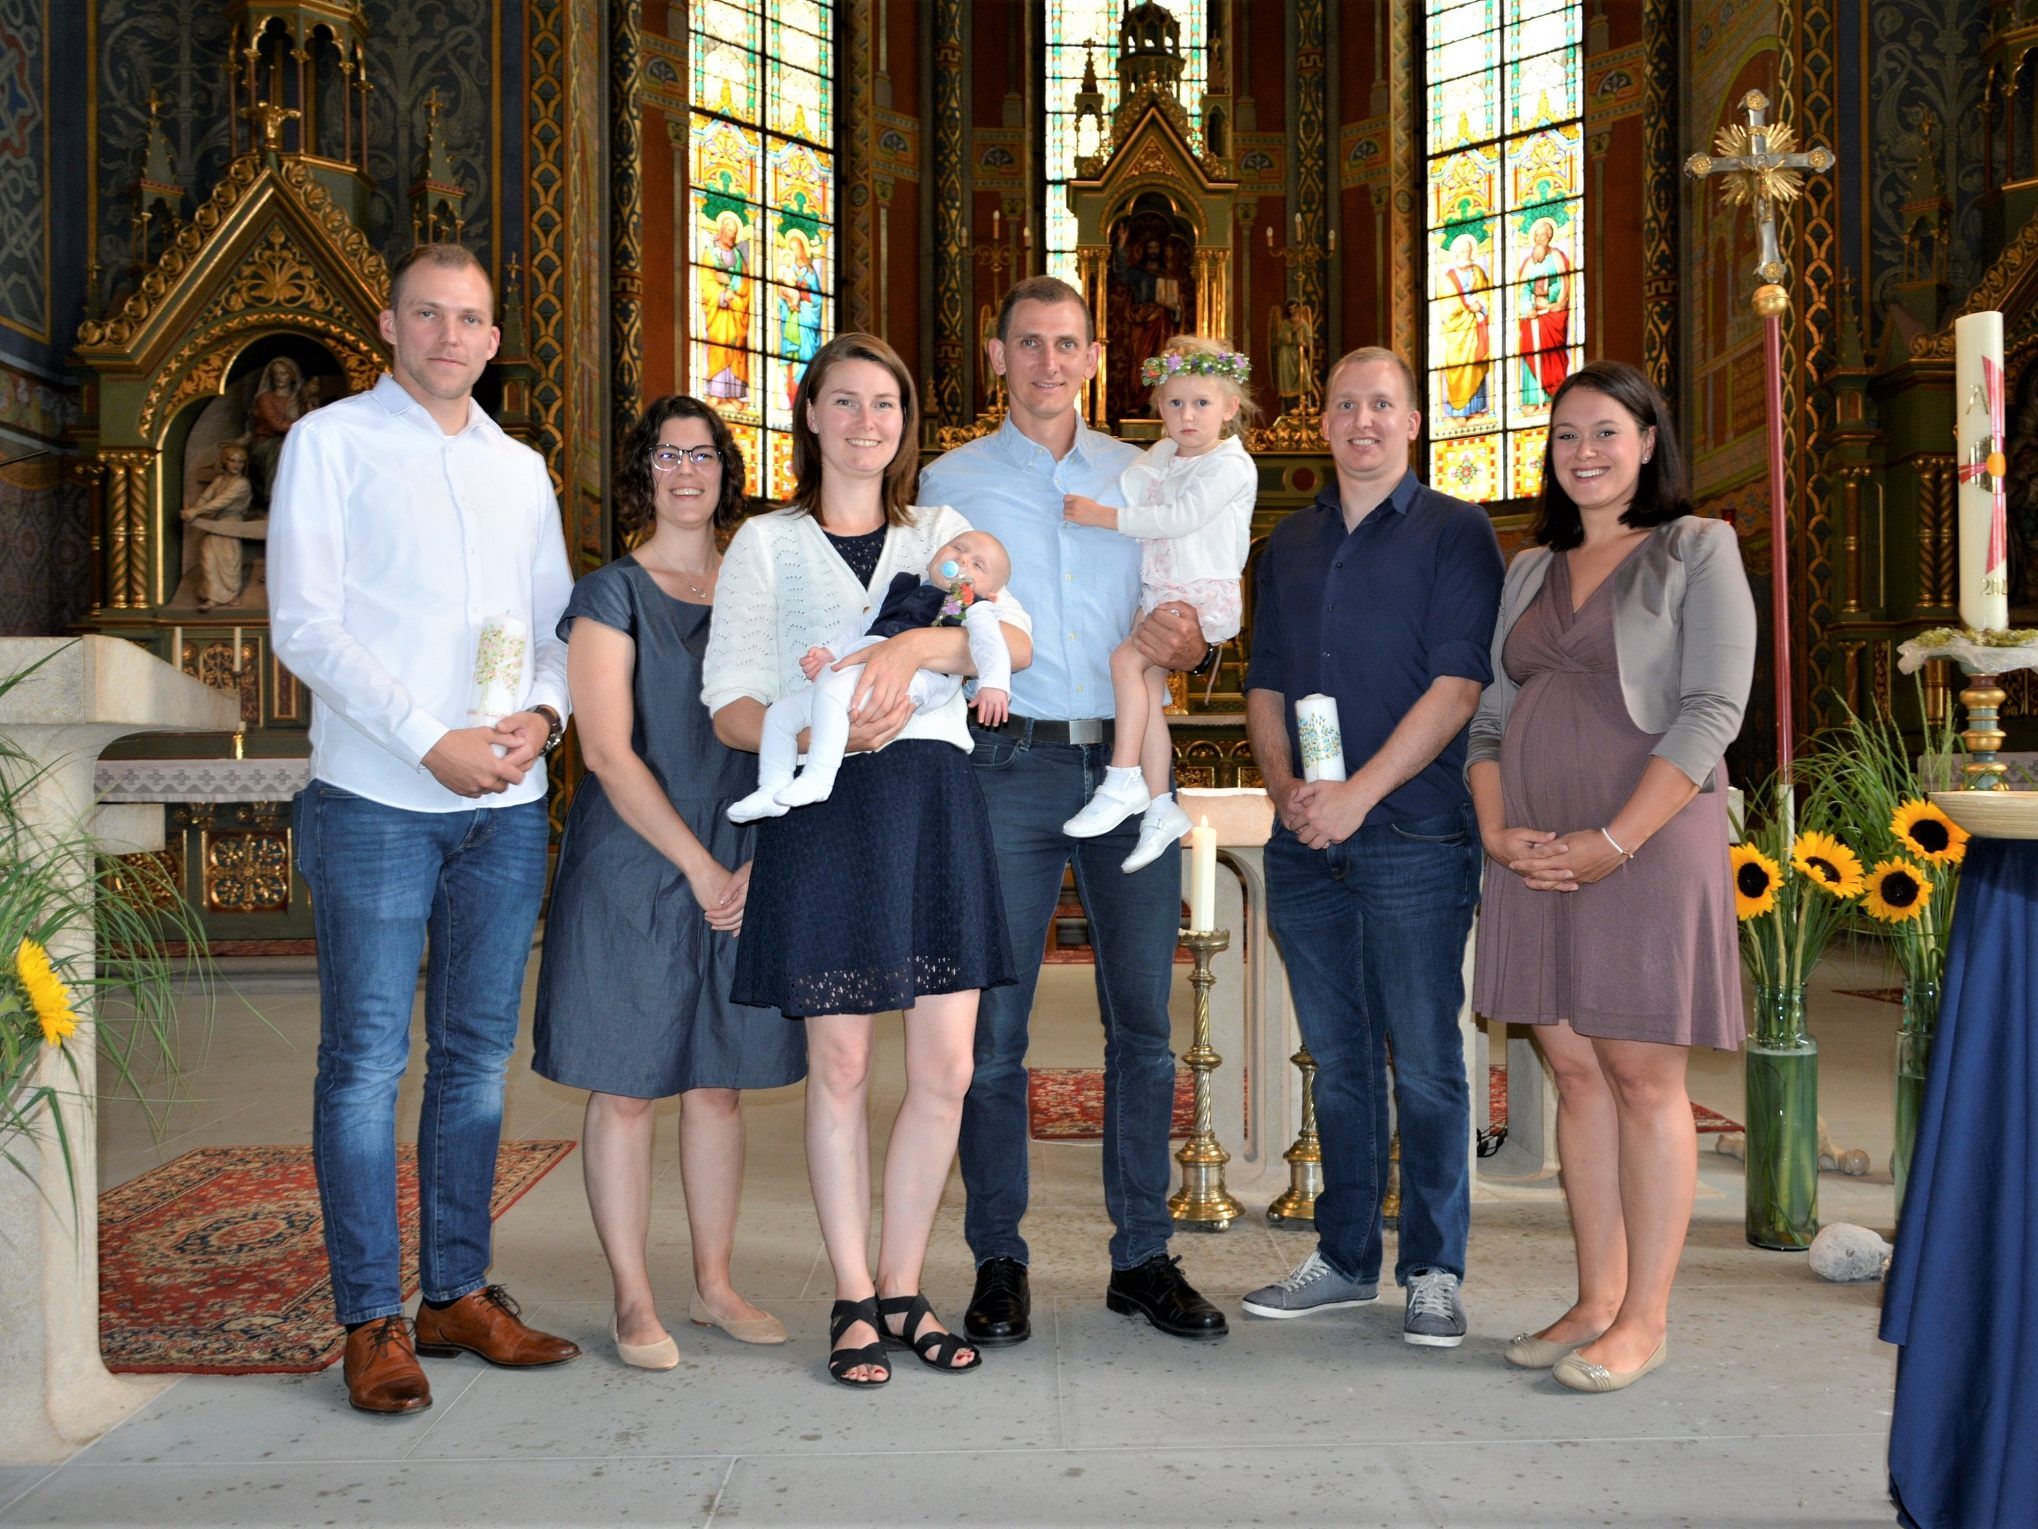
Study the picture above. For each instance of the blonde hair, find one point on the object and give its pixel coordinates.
(1207, 359)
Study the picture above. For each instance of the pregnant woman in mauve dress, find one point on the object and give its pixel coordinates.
(1621, 669)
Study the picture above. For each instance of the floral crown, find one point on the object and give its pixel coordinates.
(1170, 364)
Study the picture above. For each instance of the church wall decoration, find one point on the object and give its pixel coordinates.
(1504, 235)
(25, 181)
(761, 217)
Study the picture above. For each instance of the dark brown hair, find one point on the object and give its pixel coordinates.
(1661, 492)
(902, 476)
(1043, 289)
(451, 257)
(633, 464)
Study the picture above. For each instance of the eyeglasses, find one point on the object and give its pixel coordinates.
(665, 458)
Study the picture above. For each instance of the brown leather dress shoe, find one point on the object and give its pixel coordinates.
(382, 1369)
(485, 1324)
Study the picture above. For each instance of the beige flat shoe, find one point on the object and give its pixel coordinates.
(1582, 1375)
(662, 1355)
(764, 1329)
(1525, 1351)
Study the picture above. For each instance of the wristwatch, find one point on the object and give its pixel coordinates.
(1209, 659)
(554, 728)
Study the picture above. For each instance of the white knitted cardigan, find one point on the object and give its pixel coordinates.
(784, 589)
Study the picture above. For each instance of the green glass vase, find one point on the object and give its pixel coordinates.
(1783, 1123)
(1913, 1062)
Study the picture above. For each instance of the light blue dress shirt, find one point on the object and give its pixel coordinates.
(1080, 583)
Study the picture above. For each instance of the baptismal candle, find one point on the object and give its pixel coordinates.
(1323, 750)
(1202, 878)
(1979, 457)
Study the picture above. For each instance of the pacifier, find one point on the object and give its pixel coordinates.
(950, 568)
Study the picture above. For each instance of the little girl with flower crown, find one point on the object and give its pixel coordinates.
(1190, 500)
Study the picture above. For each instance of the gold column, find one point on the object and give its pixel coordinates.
(128, 471)
(1092, 260)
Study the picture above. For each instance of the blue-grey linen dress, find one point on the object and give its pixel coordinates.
(633, 992)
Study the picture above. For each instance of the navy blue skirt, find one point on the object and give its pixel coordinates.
(885, 892)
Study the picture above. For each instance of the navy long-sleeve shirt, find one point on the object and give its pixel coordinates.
(1373, 616)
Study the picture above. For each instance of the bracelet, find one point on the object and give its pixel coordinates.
(1616, 845)
(554, 728)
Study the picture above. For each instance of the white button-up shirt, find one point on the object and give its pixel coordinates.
(391, 544)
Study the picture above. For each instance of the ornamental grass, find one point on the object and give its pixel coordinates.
(53, 881)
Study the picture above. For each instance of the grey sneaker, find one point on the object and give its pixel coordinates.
(1436, 1317)
(1313, 1286)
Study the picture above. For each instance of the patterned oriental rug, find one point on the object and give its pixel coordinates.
(1067, 1104)
(215, 1263)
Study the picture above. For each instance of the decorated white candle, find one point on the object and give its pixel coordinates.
(1323, 749)
(498, 670)
(1979, 457)
(1202, 878)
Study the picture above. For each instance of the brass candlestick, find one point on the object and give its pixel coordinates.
(1203, 1203)
(1983, 697)
(1296, 1205)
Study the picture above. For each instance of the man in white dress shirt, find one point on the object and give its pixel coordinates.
(404, 522)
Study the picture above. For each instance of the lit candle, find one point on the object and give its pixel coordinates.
(1978, 453)
(996, 226)
(1298, 228)
(1333, 239)
(1026, 237)
(1270, 236)
(1202, 878)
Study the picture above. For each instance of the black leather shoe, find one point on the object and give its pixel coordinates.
(1157, 1291)
(1001, 1311)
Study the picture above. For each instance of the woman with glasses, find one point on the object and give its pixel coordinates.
(640, 941)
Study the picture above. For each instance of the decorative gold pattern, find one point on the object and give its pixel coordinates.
(1311, 98)
(1938, 551)
(857, 277)
(545, 305)
(1818, 245)
(626, 219)
(198, 367)
(156, 877)
(946, 400)
(214, 664)
(246, 872)
(1406, 338)
(1660, 194)
(187, 250)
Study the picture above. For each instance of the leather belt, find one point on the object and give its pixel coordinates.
(1083, 730)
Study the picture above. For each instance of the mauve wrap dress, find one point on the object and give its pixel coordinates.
(1649, 952)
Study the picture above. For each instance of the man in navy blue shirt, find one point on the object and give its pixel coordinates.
(1382, 595)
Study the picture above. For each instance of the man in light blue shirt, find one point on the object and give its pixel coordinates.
(1081, 585)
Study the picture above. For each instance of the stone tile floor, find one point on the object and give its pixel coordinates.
(1774, 1408)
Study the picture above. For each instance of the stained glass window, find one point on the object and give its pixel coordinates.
(761, 179)
(1086, 31)
(1505, 224)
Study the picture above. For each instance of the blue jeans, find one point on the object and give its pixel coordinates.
(1373, 933)
(380, 878)
(1030, 790)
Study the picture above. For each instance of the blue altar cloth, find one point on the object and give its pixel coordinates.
(1962, 1292)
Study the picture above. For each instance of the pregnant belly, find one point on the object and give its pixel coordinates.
(1571, 756)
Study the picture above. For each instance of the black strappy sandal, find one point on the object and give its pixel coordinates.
(843, 1316)
(936, 1350)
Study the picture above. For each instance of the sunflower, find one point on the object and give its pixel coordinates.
(1828, 863)
(1898, 891)
(1929, 834)
(1755, 880)
(46, 992)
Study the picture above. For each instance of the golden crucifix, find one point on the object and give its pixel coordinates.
(1764, 169)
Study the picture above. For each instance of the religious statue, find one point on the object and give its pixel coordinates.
(278, 404)
(799, 311)
(1310, 397)
(1467, 331)
(1545, 278)
(1284, 344)
(725, 310)
(1155, 290)
(221, 517)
